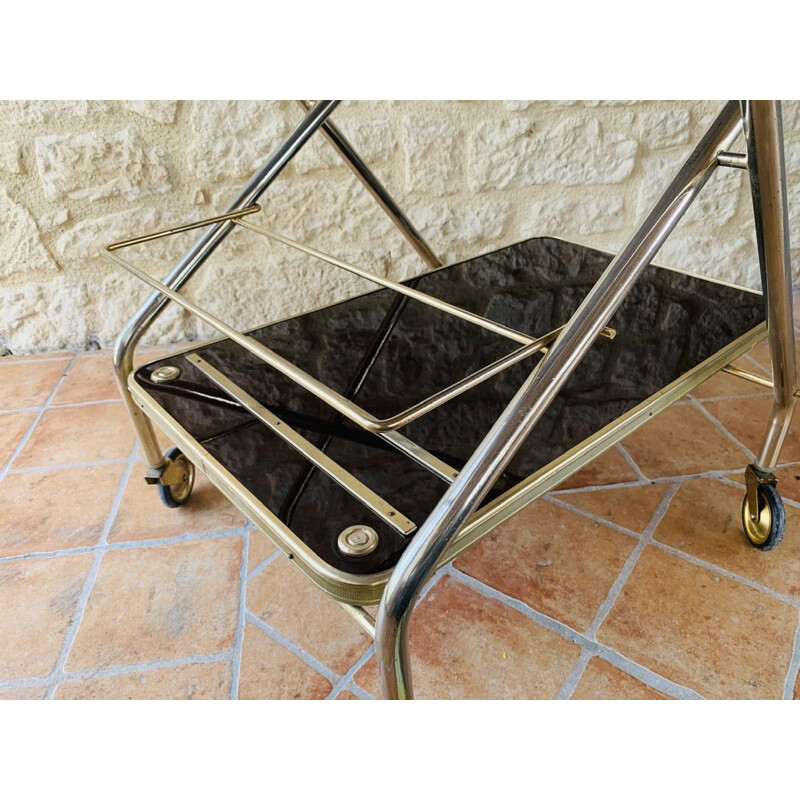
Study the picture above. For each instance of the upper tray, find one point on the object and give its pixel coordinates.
(387, 352)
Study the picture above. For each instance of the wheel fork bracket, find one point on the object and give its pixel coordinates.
(754, 477)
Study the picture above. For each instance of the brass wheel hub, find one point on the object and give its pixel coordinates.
(757, 532)
(185, 469)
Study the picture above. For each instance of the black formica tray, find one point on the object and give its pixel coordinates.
(387, 352)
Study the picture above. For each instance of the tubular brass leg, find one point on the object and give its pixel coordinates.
(765, 157)
(191, 262)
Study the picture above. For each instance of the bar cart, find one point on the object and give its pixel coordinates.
(374, 440)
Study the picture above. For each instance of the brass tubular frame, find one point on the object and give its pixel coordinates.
(130, 335)
(333, 398)
(458, 503)
(454, 524)
(763, 131)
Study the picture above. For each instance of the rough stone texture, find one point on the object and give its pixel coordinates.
(21, 247)
(230, 139)
(433, 158)
(94, 165)
(34, 112)
(665, 128)
(473, 176)
(10, 158)
(160, 110)
(575, 151)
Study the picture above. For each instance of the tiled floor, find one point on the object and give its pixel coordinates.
(631, 581)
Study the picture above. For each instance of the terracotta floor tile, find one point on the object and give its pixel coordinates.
(91, 378)
(682, 441)
(270, 672)
(60, 355)
(747, 420)
(259, 549)
(84, 433)
(24, 693)
(466, 646)
(56, 509)
(724, 385)
(187, 682)
(761, 354)
(37, 600)
(556, 561)
(701, 630)
(788, 482)
(704, 519)
(632, 507)
(155, 603)
(601, 681)
(12, 429)
(346, 696)
(28, 383)
(142, 515)
(611, 467)
(288, 602)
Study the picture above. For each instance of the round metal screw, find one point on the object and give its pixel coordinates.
(165, 374)
(358, 540)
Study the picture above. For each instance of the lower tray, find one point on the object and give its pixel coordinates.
(673, 331)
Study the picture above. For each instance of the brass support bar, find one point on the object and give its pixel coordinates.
(189, 226)
(391, 516)
(752, 377)
(361, 616)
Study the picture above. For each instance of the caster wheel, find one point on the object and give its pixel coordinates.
(178, 493)
(767, 533)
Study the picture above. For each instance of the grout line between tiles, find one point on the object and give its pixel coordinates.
(146, 666)
(594, 517)
(349, 677)
(572, 680)
(289, 645)
(72, 465)
(687, 556)
(630, 462)
(57, 674)
(83, 403)
(711, 418)
(360, 693)
(18, 449)
(645, 539)
(612, 656)
(259, 568)
(721, 571)
(26, 359)
(794, 667)
(128, 545)
(11, 411)
(236, 660)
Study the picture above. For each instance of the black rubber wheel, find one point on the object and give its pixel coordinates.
(768, 532)
(178, 494)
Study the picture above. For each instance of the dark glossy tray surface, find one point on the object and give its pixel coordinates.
(667, 325)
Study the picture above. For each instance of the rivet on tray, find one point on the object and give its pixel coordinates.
(165, 374)
(358, 540)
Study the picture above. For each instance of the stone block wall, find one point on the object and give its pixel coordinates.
(473, 176)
